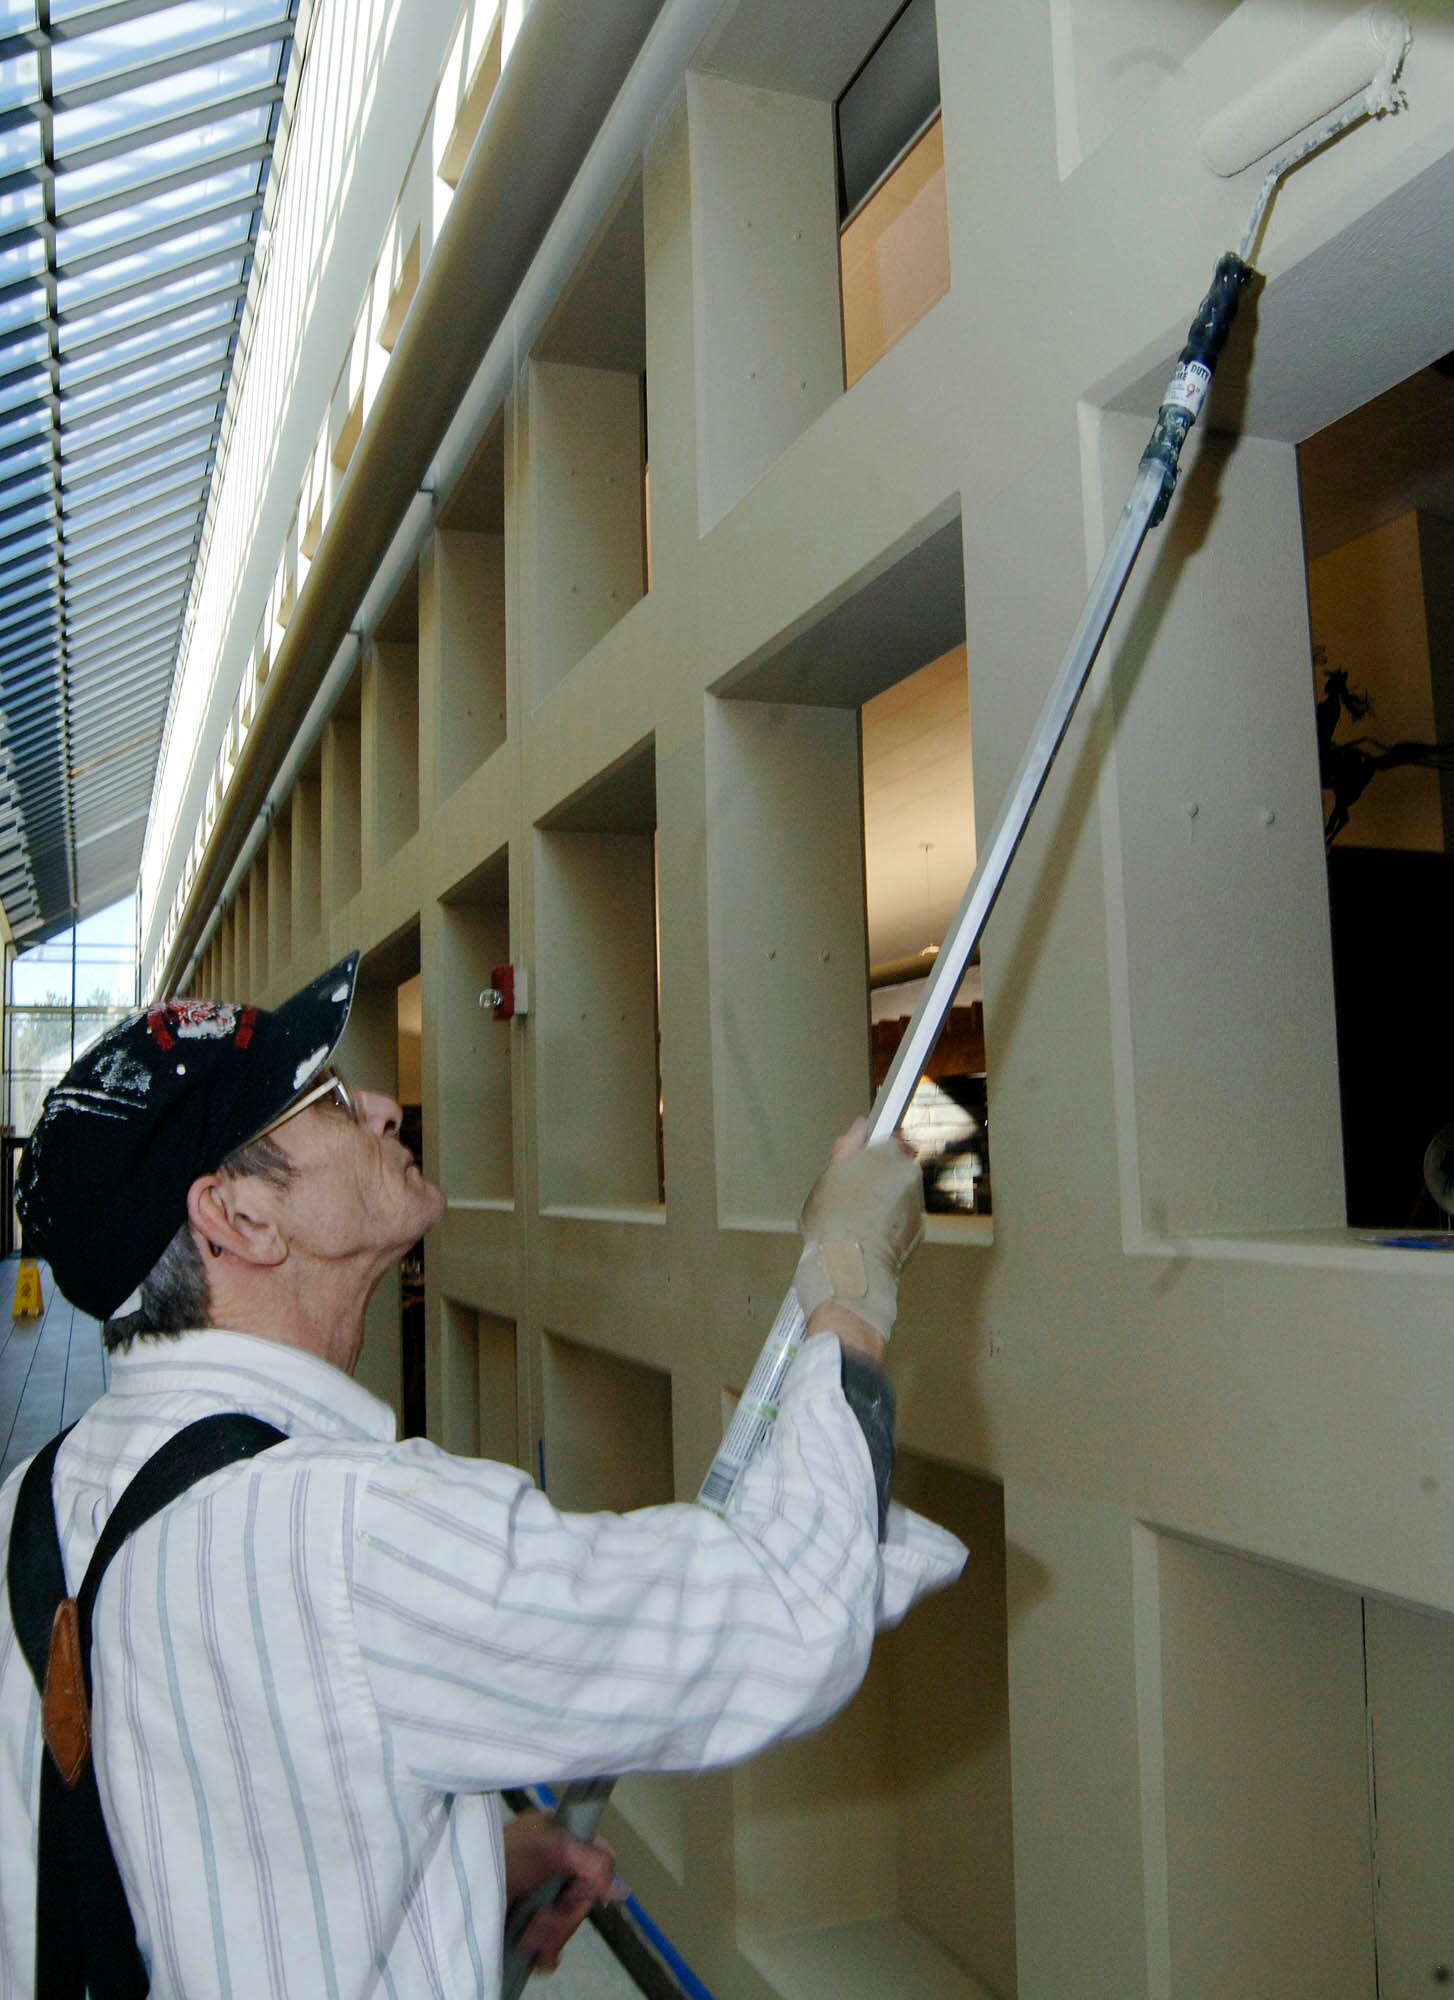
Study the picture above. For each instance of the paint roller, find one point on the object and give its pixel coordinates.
(1349, 74)
(1359, 59)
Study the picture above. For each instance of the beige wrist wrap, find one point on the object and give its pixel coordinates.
(860, 1225)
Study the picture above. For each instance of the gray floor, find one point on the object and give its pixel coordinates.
(53, 1368)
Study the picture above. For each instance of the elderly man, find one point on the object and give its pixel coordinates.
(319, 1654)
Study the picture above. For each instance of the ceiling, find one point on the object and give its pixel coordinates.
(136, 139)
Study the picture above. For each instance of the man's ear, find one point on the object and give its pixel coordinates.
(234, 1218)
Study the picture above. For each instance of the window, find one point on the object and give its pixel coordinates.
(60, 997)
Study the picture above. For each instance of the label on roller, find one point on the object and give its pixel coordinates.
(1188, 387)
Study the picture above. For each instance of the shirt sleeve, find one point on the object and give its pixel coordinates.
(507, 1643)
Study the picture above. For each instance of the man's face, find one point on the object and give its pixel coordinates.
(358, 1195)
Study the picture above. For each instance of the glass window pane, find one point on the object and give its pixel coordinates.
(155, 263)
(174, 206)
(82, 491)
(21, 260)
(224, 134)
(210, 315)
(180, 292)
(127, 45)
(19, 148)
(41, 977)
(121, 391)
(22, 311)
(136, 489)
(19, 81)
(135, 110)
(27, 424)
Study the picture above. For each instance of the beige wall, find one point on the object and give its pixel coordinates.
(1196, 1431)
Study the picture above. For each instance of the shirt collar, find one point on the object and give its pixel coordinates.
(300, 1393)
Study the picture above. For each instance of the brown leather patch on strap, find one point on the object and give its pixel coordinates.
(65, 1713)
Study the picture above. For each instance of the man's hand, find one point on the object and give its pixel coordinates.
(862, 1222)
(538, 1847)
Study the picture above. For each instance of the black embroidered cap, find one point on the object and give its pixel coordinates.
(155, 1102)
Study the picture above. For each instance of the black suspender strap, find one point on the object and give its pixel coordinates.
(85, 1938)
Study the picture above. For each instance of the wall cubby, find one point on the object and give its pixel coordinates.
(847, 743)
(1307, 1761)
(341, 771)
(1265, 1746)
(257, 924)
(390, 728)
(473, 74)
(894, 255)
(1111, 56)
(588, 450)
(876, 1856)
(280, 890)
(607, 1435)
(479, 1381)
(307, 851)
(1221, 856)
(462, 619)
(608, 1444)
(770, 332)
(598, 1076)
(227, 954)
(1380, 580)
(475, 1142)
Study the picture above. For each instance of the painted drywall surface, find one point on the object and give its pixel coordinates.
(1283, 1399)
(1266, 1759)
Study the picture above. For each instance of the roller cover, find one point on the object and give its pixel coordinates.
(1362, 54)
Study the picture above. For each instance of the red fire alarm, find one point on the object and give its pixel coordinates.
(508, 992)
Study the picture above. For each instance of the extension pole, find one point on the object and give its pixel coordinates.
(583, 1802)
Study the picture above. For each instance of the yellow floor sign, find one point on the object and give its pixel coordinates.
(28, 1302)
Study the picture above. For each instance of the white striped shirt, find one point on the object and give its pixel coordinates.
(315, 1669)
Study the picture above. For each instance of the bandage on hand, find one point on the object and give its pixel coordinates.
(861, 1224)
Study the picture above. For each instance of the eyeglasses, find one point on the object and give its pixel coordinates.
(328, 1084)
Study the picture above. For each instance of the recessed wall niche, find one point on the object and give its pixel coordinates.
(462, 618)
(765, 213)
(478, 1384)
(257, 924)
(597, 1067)
(1231, 1079)
(341, 774)
(280, 890)
(476, 1137)
(876, 1856)
(390, 727)
(893, 246)
(608, 1444)
(830, 748)
(607, 1438)
(307, 849)
(1308, 1840)
(1111, 55)
(588, 449)
(1377, 492)
(894, 255)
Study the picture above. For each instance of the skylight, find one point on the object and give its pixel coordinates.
(136, 139)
